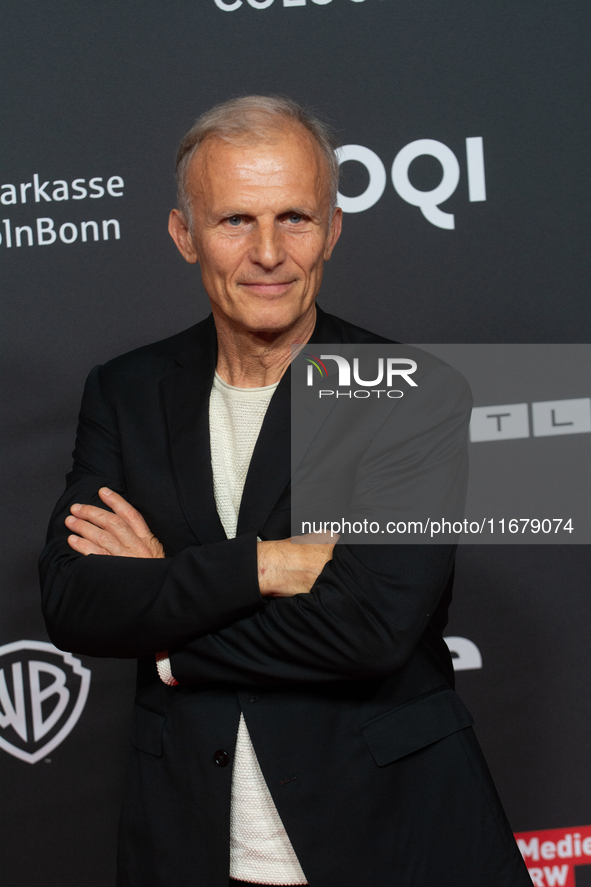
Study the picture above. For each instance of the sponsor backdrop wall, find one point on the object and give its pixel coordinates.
(463, 185)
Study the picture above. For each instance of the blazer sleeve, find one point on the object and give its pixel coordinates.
(127, 607)
(363, 618)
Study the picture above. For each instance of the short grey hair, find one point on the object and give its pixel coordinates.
(254, 116)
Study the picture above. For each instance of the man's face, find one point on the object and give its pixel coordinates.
(261, 228)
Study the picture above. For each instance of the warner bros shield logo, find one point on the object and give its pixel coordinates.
(42, 694)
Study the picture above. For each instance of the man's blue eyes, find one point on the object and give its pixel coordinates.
(235, 220)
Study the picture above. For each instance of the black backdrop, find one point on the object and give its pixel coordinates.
(104, 90)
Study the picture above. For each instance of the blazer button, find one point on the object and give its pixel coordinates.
(221, 758)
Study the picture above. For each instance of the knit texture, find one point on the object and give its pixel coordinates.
(164, 670)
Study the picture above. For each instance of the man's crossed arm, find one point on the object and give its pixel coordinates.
(283, 569)
(368, 611)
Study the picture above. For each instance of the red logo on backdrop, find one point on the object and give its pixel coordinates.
(552, 855)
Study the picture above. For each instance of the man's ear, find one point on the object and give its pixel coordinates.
(179, 231)
(334, 232)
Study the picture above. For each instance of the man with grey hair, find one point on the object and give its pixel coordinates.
(295, 719)
(255, 118)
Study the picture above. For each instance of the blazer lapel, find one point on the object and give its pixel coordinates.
(269, 470)
(270, 467)
(185, 396)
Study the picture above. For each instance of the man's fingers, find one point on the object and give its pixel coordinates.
(91, 513)
(83, 546)
(123, 509)
(96, 535)
(108, 521)
(121, 532)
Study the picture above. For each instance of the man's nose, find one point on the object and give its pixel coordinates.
(267, 249)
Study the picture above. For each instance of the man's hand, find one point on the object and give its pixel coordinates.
(121, 532)
(286, 569)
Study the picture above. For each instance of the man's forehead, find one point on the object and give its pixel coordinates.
(282, 154)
